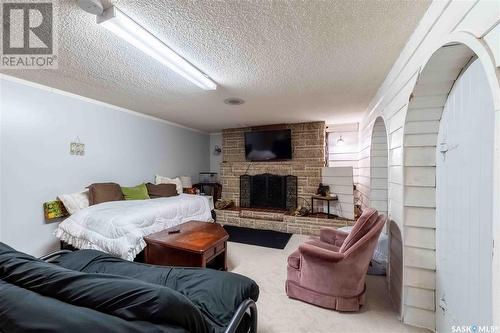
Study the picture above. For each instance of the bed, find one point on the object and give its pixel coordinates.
(118, 227)
(91, 291)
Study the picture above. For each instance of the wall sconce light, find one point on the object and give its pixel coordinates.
(340, 141)
(217, 150)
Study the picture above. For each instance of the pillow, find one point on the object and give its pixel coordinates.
(161, 190)
(166, 180)
(139, 192)
(73, 202)
(104, 192)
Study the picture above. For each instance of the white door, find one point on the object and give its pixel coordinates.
(464, 205)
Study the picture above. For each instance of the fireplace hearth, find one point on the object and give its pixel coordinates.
(268, 191)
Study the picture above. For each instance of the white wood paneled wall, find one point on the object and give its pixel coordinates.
(340, 180)
(379, 165)
(362, 182)
(346, 154)
(412, 133)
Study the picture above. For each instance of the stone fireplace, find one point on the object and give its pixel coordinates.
(308, 158)
(268, 191)
(263, 184)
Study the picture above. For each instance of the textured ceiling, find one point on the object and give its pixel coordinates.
(290, 61)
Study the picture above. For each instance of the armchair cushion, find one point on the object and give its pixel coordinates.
(332, 236)
(310, 250)
(365, 222)
(326, 246)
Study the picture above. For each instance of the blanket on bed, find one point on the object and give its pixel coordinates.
(118, 227)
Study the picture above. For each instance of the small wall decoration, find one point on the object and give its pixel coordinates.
(77, 148)
(54, 209)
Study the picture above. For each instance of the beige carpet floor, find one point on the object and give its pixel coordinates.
(279, 314)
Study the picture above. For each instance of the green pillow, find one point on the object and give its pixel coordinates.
(139, 192)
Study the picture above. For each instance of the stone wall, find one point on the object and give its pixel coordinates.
(308, 157)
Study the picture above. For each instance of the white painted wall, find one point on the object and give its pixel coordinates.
(445, 22)
(215, 160)
(340, 180)
(38, 124)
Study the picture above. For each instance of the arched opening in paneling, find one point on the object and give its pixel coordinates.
(395, 267)
(379, 164)
(420, 141)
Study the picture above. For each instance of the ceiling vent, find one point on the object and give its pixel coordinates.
(233, 101)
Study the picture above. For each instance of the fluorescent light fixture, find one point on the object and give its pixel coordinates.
(124, 27)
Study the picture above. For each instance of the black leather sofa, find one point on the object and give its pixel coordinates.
(90, 291)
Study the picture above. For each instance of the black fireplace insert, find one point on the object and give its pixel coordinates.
(268, 191)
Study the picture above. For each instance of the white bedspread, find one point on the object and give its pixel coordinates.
(118, 227)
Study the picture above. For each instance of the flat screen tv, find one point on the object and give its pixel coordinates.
(268, 145)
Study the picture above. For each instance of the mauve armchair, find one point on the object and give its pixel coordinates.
(330, 271)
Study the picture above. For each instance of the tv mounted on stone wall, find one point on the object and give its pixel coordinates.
(268, 145)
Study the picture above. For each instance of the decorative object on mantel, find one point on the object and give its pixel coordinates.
(323, 190)
(301, 211)
(54, 210)
(224, 204)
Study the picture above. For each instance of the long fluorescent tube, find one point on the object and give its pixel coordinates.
(124, 27)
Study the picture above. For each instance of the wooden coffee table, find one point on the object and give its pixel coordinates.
(198, 244)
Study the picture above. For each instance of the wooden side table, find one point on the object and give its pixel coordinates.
(198, 244)
(328, 199)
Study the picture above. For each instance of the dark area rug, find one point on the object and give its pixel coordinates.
(265, 238)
